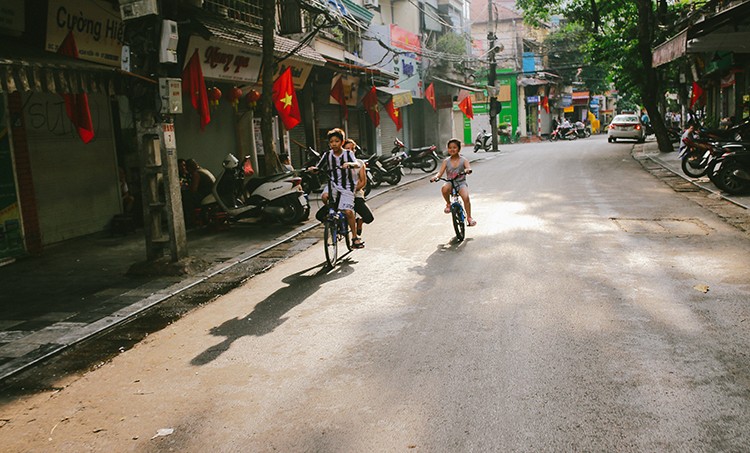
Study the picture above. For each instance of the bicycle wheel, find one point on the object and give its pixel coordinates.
(330, 240)
(344, 234)
(459, 225)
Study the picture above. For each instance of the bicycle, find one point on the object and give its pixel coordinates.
(336, 228)
(458, 214)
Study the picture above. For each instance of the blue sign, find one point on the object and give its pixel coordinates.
(532, 99)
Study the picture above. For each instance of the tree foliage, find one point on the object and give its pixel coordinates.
(621, 34)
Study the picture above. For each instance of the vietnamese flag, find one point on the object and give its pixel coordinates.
(697, 93)
(370, 103)
(395, 114)
(429, 93)
(194, 85)
(337, 93)
(466, 107)
(285, 100)
(77, 105)
(545, 103)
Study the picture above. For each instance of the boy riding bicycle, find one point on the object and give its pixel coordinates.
(340, 162)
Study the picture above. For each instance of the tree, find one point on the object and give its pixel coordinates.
(272, 163)
(611, 25)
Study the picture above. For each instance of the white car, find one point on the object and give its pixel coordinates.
(626, 126)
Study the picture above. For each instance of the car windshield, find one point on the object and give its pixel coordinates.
(625, 119)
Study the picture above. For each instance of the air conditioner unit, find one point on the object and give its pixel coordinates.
(371, 3)
(132, 9)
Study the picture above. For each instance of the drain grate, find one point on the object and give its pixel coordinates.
(663, 226)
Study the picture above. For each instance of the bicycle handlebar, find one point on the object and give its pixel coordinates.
(449, 180)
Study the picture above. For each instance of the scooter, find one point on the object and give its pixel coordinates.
(312, 182)
(582, 131)
(383, 170)
(240, 195)
(563, 133)
(483, 141)
(425, 158)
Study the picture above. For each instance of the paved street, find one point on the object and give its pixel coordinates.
(592, 308)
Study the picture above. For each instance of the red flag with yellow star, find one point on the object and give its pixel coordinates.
(429, 93)
(285, 100)
(395, 114)
(466, 107)
(370, 103)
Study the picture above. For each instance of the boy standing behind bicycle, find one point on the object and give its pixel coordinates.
(455, 166)
(339, 163)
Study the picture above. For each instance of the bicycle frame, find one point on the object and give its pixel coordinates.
(458, 214)
(336, 227)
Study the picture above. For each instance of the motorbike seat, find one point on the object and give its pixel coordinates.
(419, 150)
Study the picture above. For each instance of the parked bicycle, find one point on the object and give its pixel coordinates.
(458, 214)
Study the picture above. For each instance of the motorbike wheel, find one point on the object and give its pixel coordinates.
(693, 164)
(428, 164)
(393, 178)
(294, 212)
(553, 137)
(712, 171)
(731, 183)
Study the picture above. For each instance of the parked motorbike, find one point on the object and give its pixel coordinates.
(733, 174)
(425, 158)
(581, 130)
(312, 182)
(240, 195)
(563, 133)
(483, 141)
(384, 169)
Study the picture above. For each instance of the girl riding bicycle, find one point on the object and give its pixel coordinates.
(452, 166)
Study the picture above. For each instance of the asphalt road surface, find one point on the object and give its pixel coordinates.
(591, 309)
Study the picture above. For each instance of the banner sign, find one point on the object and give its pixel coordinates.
(96, 26)
(224, 62)
(532, 99)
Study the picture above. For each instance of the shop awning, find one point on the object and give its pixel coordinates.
(24, 68)
(239, 35)
(360, 69)
(718, 33)
(578, 95)
(400, 96)
(457, 85)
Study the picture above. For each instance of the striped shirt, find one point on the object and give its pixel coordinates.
(341, 177)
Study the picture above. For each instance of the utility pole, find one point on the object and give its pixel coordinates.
(492, 76)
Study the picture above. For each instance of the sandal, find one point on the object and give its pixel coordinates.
(357, 243)
(447, 209)
(471, 222)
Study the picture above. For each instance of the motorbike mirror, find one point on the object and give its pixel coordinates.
(230, 161)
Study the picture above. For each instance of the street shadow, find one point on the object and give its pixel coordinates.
(269, 313)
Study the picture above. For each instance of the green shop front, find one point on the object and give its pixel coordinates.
(507, 94)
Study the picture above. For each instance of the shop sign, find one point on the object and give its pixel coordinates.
(96, 26)
(532, 99)
(407, 67)
(220, 61)
(567, 100)
(300, 72)
(11, 16)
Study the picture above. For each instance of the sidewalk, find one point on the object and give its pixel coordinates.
(671, 161)
(79, 288)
